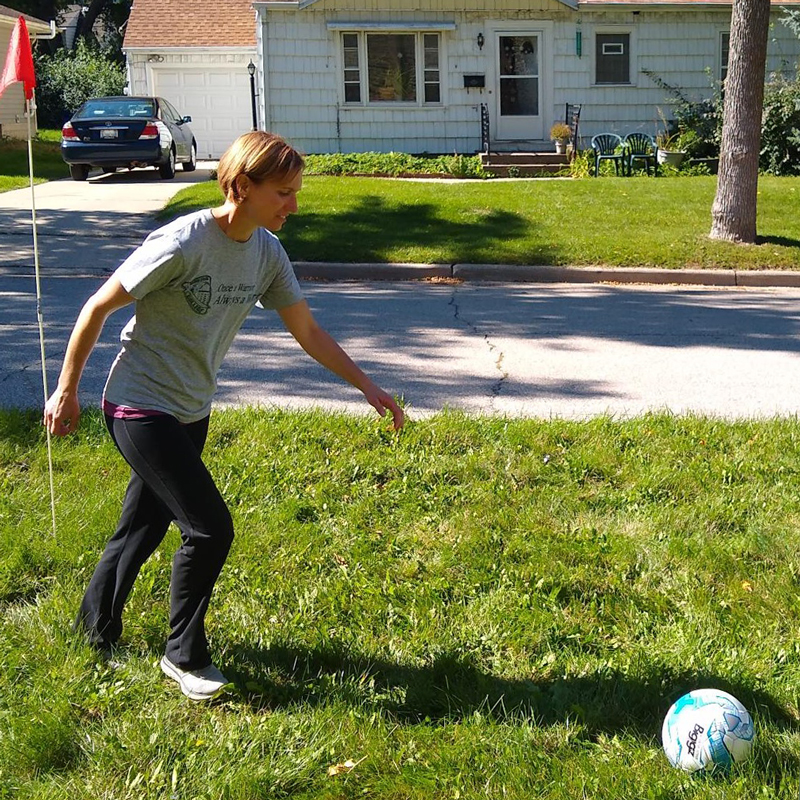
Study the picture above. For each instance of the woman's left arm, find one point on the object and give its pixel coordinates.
(322, 347)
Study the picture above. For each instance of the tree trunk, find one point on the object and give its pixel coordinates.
(734, 211)
(87, 19)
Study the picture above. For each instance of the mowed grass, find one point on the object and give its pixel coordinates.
(47, 162)
(626, 222)
(474, 608)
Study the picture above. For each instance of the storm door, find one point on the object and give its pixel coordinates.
(519, 63)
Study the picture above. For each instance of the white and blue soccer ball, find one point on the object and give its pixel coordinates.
(707, 729)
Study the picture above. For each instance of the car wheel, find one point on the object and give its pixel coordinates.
(167, 171)
(79, 172)
(191, 164)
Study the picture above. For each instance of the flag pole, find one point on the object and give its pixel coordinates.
(29, 106)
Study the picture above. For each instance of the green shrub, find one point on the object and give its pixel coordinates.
(780, 128)
(66, 79)
(697, 123)
(394, 165)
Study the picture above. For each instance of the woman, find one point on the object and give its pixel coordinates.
(193, 281)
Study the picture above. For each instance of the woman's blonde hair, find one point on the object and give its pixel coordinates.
(259, 155)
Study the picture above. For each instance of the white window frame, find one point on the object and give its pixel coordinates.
(720, 64)
(419, 33)
(633, 69)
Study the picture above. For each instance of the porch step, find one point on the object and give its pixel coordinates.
(511, 164)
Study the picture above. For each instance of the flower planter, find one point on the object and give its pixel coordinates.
(561, 147)
(673, 158)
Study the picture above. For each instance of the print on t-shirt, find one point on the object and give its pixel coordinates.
(198, 294)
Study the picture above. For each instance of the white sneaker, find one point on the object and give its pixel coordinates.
(199, 684)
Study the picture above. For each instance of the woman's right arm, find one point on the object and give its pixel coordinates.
(62, 411)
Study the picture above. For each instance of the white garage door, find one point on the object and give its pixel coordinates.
(217, 99)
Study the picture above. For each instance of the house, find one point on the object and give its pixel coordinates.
(382, 75)
(195, 55)
(71, 16)
(12, 102)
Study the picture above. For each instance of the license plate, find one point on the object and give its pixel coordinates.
(108, 133)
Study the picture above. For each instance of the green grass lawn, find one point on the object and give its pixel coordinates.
(47, 162)
(608, 221)
(474, 608)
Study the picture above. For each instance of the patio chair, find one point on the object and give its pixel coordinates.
(607, 146)
(572, 117)
(641, 147)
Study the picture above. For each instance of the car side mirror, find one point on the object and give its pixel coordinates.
(186, 119)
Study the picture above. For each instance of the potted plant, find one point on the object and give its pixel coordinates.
(560, 134)
(668, 145)
(669, 149)
(395, 84)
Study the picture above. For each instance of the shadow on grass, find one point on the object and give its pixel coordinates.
(782, 241)
(453, 688)
(375, 228)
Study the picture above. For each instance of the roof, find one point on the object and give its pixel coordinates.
(199, 23)
(775, 4)
(34, 24)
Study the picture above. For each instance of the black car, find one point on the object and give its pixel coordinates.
(115, 132)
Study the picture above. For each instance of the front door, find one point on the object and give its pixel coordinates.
(519, 95)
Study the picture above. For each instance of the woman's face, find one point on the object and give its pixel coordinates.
(269, 203)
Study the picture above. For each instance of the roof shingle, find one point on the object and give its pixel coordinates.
(197, 23)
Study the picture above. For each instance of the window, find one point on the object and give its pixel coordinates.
(352, 71)
(391, 67)
(724, 52)
(613, 58)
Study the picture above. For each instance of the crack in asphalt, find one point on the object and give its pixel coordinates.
(497, 386)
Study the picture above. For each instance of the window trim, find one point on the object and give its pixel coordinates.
(418, 31)
(721, 34)
(611, 30)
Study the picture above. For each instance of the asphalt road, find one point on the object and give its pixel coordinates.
(568, 350)
(535, 350)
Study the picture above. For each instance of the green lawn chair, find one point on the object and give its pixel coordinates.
(608, 146)
(641, 147)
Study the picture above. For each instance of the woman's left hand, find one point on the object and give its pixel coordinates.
(382, 402)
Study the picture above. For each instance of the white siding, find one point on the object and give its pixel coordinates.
(304, 103)
(12, 101)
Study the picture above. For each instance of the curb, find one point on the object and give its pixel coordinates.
(505, 273)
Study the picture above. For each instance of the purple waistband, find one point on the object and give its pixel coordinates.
(126, 412)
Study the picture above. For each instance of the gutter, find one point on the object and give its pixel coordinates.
(54, 31)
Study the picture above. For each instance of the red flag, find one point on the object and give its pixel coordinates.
(19, 61)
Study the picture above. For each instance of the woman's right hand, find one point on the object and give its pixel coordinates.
(62, 413)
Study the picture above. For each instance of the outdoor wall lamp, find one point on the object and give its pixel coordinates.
(481, 41)
(251, 71)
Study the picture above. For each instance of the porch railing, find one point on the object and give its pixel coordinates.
(485, 129)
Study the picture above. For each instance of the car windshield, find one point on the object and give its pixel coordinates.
(122, 107)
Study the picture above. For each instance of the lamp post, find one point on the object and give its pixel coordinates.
(251, 69)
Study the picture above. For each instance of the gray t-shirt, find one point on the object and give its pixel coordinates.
(194, 287)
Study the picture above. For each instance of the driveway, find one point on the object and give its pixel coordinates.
(86, 228)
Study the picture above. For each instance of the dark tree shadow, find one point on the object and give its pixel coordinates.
(375, 228)
(782, 241)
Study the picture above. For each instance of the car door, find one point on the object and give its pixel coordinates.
(184, 128)
(170, 117)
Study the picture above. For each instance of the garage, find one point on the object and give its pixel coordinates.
(199, 65)
(217, 100)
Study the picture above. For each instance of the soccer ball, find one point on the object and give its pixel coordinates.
(707, 729)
